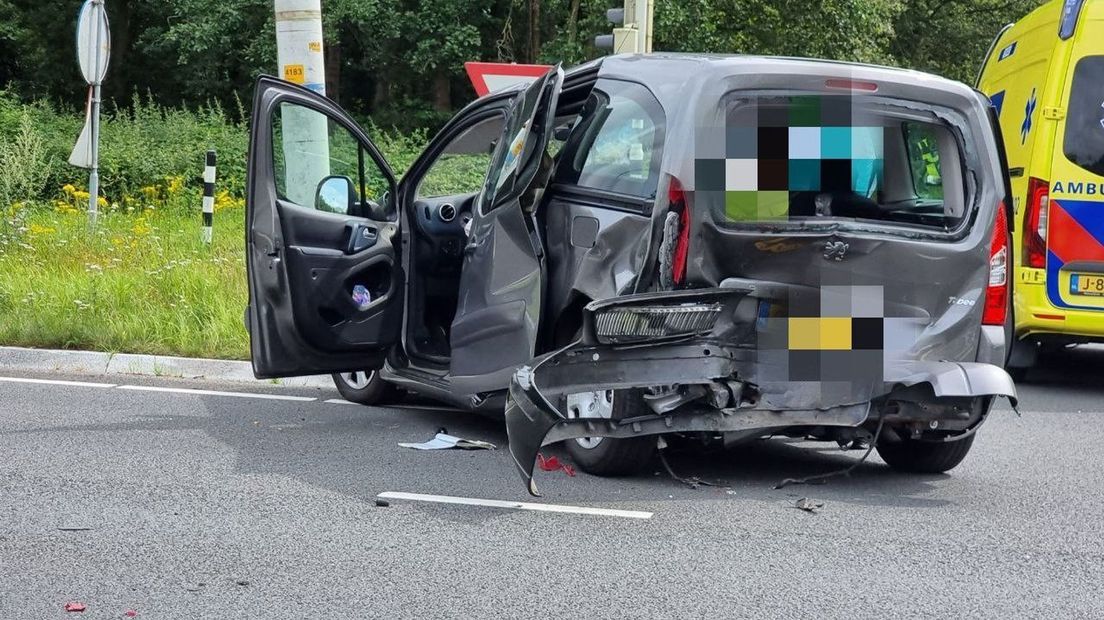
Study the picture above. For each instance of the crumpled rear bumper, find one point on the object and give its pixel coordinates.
(532, 420)
(534, 417)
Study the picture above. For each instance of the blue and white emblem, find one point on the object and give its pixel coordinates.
(1029, 111)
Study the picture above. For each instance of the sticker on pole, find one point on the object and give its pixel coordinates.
(93, 41)
(491, 77)
(295, 74)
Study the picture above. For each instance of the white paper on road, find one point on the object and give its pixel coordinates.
(442, 441)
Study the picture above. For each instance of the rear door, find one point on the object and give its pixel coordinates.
(875, 212)
(502, 278)
(325, 285)
(1075, 222)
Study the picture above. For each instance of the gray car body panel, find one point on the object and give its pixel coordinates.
(942, 295)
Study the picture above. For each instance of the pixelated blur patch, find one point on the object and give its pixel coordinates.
(805, 144)
(834, 334)
(820, 333)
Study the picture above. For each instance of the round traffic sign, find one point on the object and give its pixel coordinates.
(92, 28)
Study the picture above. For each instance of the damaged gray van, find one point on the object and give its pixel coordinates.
(720, 247)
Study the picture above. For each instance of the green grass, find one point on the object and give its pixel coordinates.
(141, 283)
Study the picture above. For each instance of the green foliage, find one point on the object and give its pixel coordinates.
(401, 61)
(141, 283)
(144, 146)
(951, 37)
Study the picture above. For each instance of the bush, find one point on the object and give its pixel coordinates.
(141, 281)
(143, 149)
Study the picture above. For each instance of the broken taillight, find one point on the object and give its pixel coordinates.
(642, 323)
(996, 292)
(1035, 223)
(677, 199)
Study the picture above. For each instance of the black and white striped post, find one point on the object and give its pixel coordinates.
(208, 196)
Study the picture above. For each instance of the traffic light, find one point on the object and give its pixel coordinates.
(632, 31)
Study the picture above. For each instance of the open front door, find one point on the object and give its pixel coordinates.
(325, 283)
(501, 284)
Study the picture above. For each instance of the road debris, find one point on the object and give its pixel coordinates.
(553, 464)
(130, 613)
(444, 441)
(808, 505)
(692, 481)
(74, 528)
(845, 472)
(74, 606)
(382, 503)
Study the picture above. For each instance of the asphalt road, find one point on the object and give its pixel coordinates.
(183, 505)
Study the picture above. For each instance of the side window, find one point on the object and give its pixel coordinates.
(461, 168)
(923, 154)
(310, 148)
(618, 141)
(1084, 139)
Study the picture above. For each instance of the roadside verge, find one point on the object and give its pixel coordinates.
(97, 363)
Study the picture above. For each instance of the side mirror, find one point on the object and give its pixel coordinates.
(336, 194)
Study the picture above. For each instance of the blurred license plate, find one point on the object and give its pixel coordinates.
(1087, 284)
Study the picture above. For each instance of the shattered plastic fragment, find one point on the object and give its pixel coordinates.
(75, 606)
(361, 297)
(444, 441)
(808, 505)
(552, 464)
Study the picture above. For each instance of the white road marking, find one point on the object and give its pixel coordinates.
(496, 503)
(338, 401)
(57, 382)
(153, 388)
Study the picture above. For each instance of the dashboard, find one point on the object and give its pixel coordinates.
(442, 224)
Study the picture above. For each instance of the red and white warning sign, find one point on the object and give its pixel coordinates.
(490, 77)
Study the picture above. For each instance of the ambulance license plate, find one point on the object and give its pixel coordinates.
(1087, 284)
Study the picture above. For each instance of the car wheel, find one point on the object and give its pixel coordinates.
(925, 457)
(603, 456)
(365, 387)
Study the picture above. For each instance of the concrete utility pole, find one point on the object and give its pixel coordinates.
(304, 132)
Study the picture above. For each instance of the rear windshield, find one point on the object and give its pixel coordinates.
(807, 158)
(1084, 140)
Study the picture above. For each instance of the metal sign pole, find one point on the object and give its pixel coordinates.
(94, 175)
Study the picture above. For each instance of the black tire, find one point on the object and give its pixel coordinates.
(616, 457)
(363, 387)
(925, 457)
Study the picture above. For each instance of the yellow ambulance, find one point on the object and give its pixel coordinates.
(1045, 76)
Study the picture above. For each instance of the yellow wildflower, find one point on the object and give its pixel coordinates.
(223, 200)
